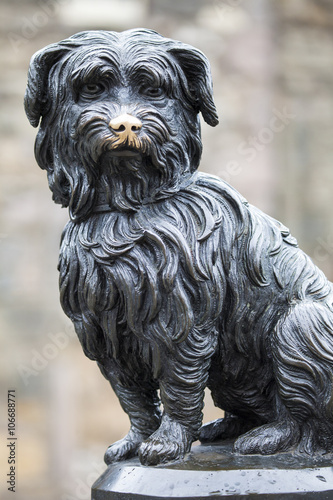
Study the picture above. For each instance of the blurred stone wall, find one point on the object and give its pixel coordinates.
(273, 75)
(304, 81)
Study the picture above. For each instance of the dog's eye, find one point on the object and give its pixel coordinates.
(92, 89)
(152, 91)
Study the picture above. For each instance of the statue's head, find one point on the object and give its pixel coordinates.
(119, 117)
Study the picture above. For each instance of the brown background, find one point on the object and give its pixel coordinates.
(268, 57)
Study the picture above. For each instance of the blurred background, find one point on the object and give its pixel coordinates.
(272, 65)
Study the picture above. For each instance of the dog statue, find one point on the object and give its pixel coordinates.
(172, 280)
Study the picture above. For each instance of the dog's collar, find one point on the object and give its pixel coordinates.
(187, 181)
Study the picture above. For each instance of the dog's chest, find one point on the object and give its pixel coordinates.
(143, 269)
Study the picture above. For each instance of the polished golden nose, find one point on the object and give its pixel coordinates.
(125, 124)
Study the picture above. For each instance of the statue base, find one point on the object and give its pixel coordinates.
(213, 471)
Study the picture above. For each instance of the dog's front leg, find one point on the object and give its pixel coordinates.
(142, 405)
(182, 385)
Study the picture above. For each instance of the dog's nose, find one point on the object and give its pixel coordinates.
(125, 124)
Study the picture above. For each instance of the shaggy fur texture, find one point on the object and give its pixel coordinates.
(172, 280)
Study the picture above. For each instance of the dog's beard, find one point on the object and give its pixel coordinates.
(155, 171)
(125, 183)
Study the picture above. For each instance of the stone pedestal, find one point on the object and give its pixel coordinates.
(214, 472)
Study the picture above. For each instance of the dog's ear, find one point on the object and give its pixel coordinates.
(196, 68)
(36, 102)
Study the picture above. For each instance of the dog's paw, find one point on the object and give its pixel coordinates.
(170, 442)
(268, 439)
(224, 428)
(124, 449)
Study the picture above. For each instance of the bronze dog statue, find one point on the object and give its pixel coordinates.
(172, 280)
